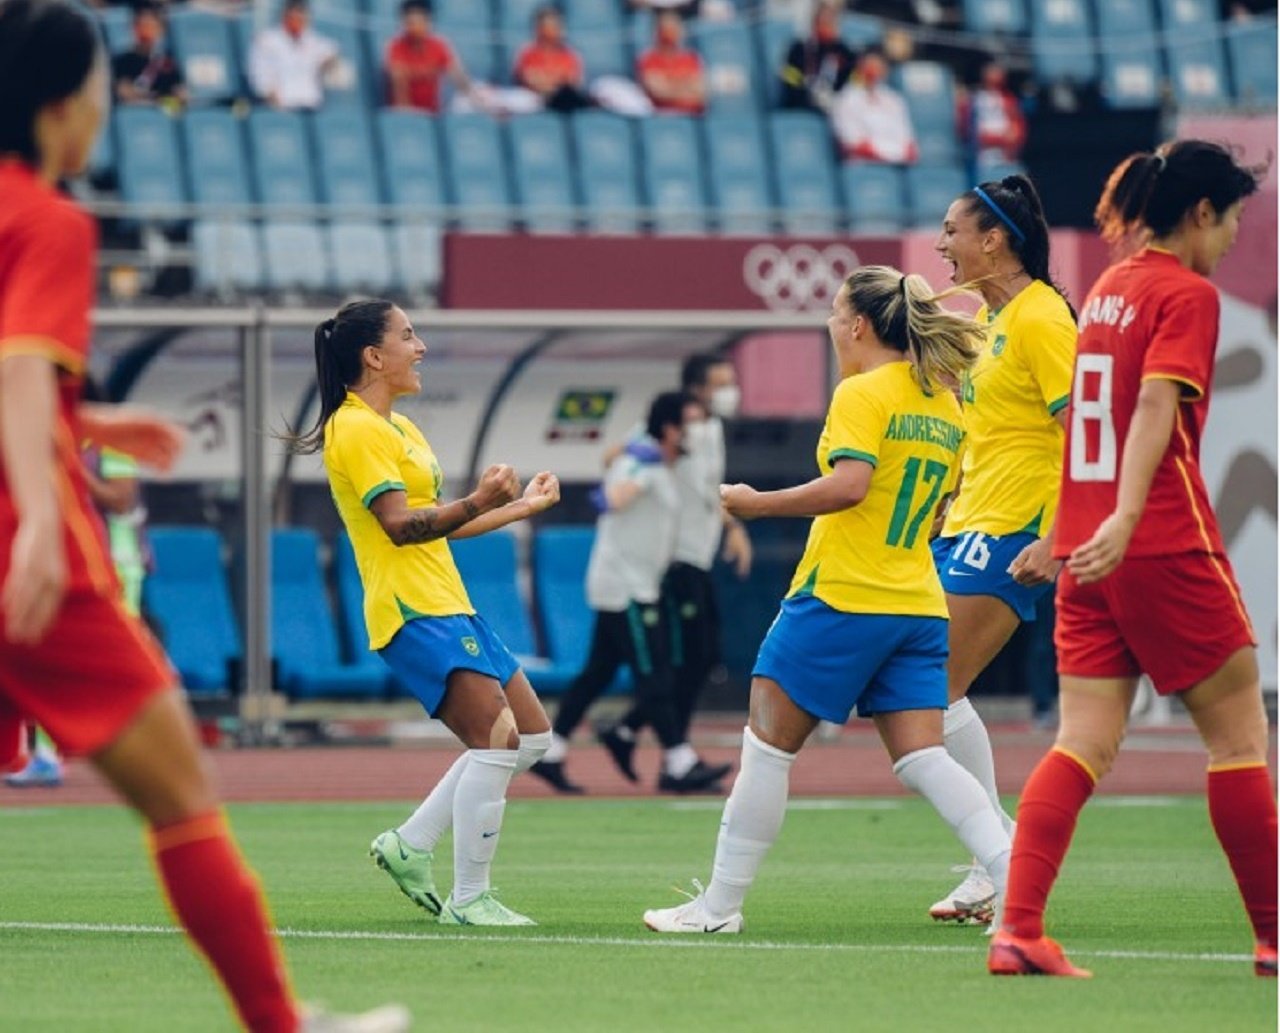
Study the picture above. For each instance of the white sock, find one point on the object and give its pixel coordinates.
(957, 796)
(557, 750)
(478, 804)
(424, 827)
(966, 739)
(533, 747)
(752, 819)
(679, 760)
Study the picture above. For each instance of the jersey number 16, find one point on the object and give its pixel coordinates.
(1096, 410)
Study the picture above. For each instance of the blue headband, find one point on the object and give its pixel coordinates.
(1000, 214)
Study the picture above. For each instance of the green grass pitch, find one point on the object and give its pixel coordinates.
(837, 937)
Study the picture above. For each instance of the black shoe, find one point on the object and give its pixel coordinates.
(699, 778)
(552, 772)
(621, 750)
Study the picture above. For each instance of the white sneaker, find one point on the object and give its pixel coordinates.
(390, 1018)
(970, 903)
(691, 917)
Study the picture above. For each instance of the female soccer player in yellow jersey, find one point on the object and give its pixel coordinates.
(386, 484)
(993, 554)
(865, 621)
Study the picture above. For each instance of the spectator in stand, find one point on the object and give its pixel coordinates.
(670, 72)
(871, 119)
(418, 59)
(817, 68)
(146, 73)
(549, 66)
(991, 122)
(288, 64)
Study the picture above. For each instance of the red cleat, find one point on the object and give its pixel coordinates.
(1264, 960)
(1014, 956)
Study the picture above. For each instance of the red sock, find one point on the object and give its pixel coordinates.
(1242, 808)
(218, 902)
(1051, 801)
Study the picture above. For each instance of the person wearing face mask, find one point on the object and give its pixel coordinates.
(871, 119)
(146, 73)
(688, 590)
(818, 66)
(551, 68)
(635, 540)
(991, 121)
(288, 64)
(670, 72)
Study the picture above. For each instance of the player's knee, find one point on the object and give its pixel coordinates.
(1098, 753)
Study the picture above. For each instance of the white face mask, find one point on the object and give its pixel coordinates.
(724, 401)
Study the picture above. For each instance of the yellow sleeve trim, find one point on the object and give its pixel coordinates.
(1197, 391)
(43, 347)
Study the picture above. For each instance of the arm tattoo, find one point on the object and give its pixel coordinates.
(426, 525)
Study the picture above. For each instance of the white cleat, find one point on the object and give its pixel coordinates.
(390, 1018)
(970, 903)
(691, 917)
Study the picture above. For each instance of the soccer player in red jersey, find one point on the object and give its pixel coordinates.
(1147, 586)
(72, 659)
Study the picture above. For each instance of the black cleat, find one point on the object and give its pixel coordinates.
(552, 772)
(621, 750)
(702, 777)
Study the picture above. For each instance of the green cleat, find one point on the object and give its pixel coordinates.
(409, 867)
(486, 909)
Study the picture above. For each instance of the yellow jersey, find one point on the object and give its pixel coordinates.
(1013, 453)
(875, 556)
(366, 455)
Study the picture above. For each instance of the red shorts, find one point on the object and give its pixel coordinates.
(87, 679)
(1174, 618)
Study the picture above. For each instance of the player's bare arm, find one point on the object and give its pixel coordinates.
(540, 494)
(404, 526)
(843, 488)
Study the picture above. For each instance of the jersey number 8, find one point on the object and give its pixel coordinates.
(1096, 410)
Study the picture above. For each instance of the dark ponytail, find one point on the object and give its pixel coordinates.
(47, 50)
(340, 342)
(1013, 205)
(1154, 191)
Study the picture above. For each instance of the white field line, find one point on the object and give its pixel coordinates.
(538, 939)
(820, 803)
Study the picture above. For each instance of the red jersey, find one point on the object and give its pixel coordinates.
(47, 248)
(425, 60)
(560, 61)
(674, 64)
(1146, 318)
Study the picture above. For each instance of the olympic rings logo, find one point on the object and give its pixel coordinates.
(799, 278)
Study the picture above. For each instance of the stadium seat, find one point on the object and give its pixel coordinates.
(1198, 72)
(474, 47)
(541, 173)
(1007, 17)
(473, 151)
(352, 83)
(1251, 46)
(1062, 43)
(203, 46)
(215, 155)
(280, 158)
(1131, 76)
(773, 40)
(295, 255)
(606, 161)
(873, 195)
(360, 256)
(412, 172)
(861, 31)
(602, 48)
(304, 640)
(228, 256)
(419, 257)
(672, 162)
(1188, 18)
(737, 174)
(930, 191)
(729, 62)
(488, 565)
(149, 166)
(346, 165)
(560, 556)
(598, 14)
(930, 93)
(187, 599)
(1118, 19)
(804, 169)
(355, 638)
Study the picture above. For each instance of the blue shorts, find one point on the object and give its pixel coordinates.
(827, 661)
(426, 650)
(973, 563)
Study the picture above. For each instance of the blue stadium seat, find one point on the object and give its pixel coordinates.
(601, 47)
(243, 27)
(488, 566)
(729, 61)
(597, 14)
(352, 83)
(472, 147)
(515, 18)
(419, 257)
(304, 640)
(187, 598)
(474, 47)
(149, 166)
(411, 167)
(1131, 76)
(861, 31)
(773, 40)
(930, 93)
(737, 173)
(1198, 72)
(1185, 19)
(1062, 43)
(360, 257)
(930, 191)
(202, 45)
(228, 256)
(672, 162)
(560, 556)
(995, 16)
(541, 173)
(117, 28)
(874, 197)
(1251, 45)
(215, 157)
(638, 32)
(804, 169)
(280, 157)
(355, 638)
(1120, 18)
(296, 257)
(347, 169)
(606, 161)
